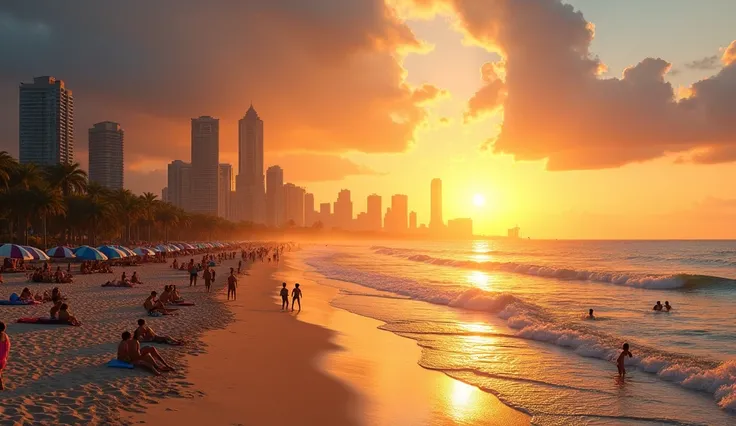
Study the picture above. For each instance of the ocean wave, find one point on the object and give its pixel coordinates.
(639, 280)
(530, 322)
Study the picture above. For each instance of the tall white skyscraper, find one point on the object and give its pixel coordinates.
(179, 184)
(275, 196)
(106, 155)
(46, 125)
(225, 186)
(205, 165)
(249, 183)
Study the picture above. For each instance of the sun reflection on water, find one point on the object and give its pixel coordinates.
(481, 280)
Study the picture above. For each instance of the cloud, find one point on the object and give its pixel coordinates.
(707, 63)
(310, 167)
(324, 75)
(558, 107)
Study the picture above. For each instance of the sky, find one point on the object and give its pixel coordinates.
(585, 119)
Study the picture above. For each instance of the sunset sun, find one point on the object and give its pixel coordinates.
(479, 200)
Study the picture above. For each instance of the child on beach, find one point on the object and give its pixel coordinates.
(232, 285)
(284, 297)
(621, 358)
(296, 297)
(4, 352)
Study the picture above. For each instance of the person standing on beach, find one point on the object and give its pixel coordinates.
(232, 285)
(284, 297)
(4, 352)
(207, 276)
(296, 297)
(621, 358)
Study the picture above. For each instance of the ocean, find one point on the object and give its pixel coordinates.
(508, 316)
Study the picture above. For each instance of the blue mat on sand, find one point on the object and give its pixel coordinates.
(116, 363)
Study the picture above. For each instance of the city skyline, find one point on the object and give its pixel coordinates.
(431, 94)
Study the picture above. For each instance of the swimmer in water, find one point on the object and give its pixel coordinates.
(621, 358)
(667, 306)
(658, 306)
(590, 314)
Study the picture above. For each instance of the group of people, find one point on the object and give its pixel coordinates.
(27, 295)
(296, 297)
(92, 266)
(148, 357)
(45, 275)
(659, 307)
(156, 306)
(125, 281)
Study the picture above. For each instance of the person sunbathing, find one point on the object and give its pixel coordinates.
(55, 309)
(26, 295)
(175, 296)
(153, 305)
(66, 316)
(130, 351)
(165, 295)
(145, 333)
(134, 279)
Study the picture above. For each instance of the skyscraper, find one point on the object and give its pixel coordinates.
(400, 212)
(249, 185)
(46, 125)
(413, 221)
(310, 216)
(106, 154)
(275, 196)
(165, 194)
(179, 183)
(205, 165)
(435, 221)
(294, 204)
(225, 185)
(325, 214)
(373, 213)
(343, 210)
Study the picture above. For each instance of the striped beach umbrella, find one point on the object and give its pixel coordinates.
(61, 252)
(173, 247)
(126, 250)
(143, 251)
(111, 252)
(89, 253)
(37, 253)
(14, 251)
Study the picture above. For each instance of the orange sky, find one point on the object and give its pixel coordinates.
(563, 116)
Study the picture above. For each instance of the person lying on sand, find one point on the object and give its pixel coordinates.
(26, 295)
(153, 305)
(66, 316)
(145, 333)
(134, 279)
(130, 351)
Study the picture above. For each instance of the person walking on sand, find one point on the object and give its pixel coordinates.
(192, 273)
(621, 358)
(4, 352)
(296, 297)
(284, 297)
(207, 276)
(232, 285)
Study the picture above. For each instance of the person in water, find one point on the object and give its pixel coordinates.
(66, 316)
(284, 297)
(130, 351)
(667, 306)
(4, 352)
(590, 314)
(621, 358)
(658, 306)
(145, 333)
(296, 297)
(232, 285)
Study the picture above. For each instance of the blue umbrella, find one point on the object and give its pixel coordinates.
(143, 251)
(14, 251)
(88, 253)
(111, 252)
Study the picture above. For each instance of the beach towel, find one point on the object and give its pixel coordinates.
(116, 363)
(19, 302)
(42, 320)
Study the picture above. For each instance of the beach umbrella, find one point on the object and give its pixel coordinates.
(163, 248)
(14, 251)
(179, 246)
(173, 247)
(188, 246)
(37, 253)
(143, 251)
(126, 250)
(61, 252)
(111, 252)
(89, 253)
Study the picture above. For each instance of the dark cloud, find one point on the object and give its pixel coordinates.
(323, 74)
(558, 107)
(707, 63)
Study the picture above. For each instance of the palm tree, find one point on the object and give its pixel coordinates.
(167, 215)
(7, 167)
(129, 209)
(45, 202)
(25, 176)
(67, 178)
(149, 202)
(97, 210)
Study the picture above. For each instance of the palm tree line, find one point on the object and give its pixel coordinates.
(44, 206)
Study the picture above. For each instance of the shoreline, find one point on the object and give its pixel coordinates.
(329, 367)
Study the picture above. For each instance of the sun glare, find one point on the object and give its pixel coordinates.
(479, 200)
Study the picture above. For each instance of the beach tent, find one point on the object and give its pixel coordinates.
(61, 252)
(37, 253)
(88, 253)
(14, 251)
(143, 251)
(111, 252)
